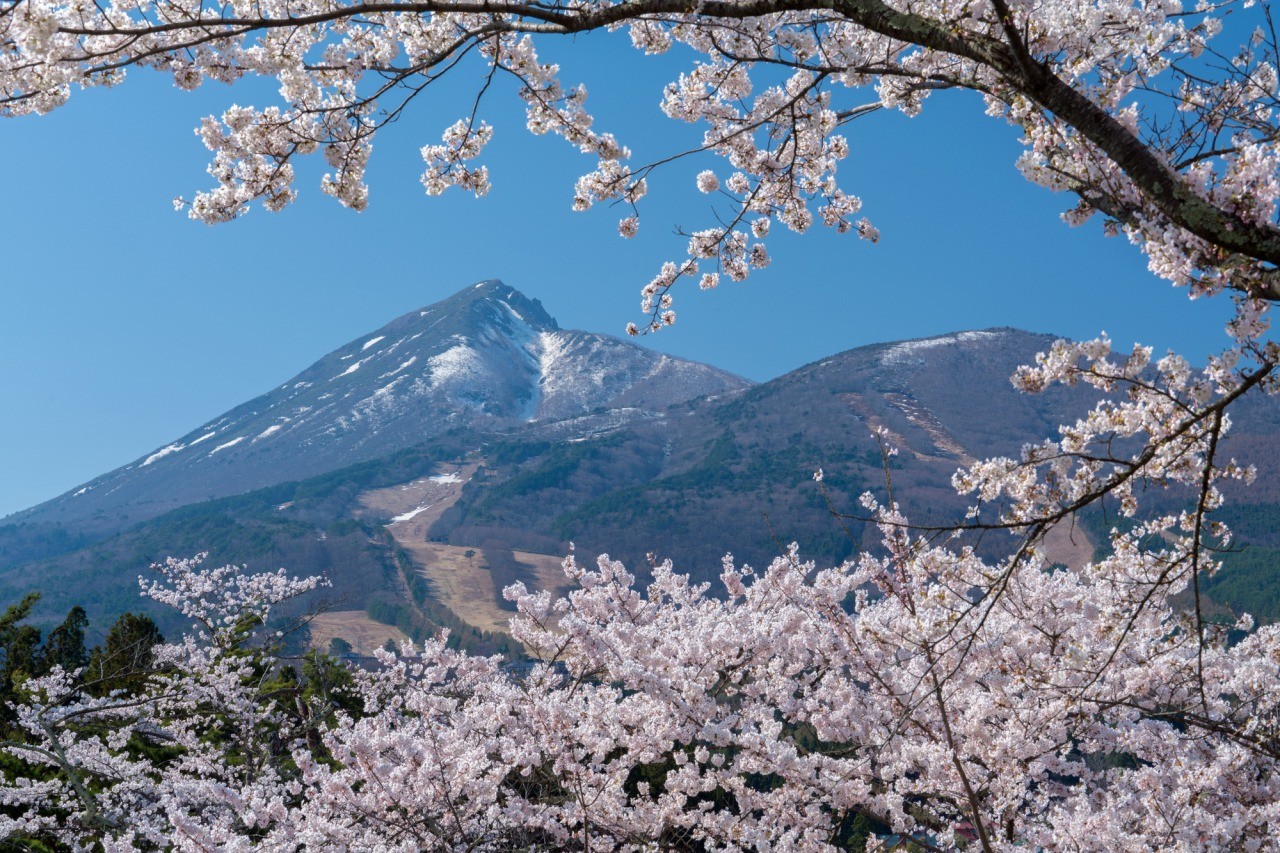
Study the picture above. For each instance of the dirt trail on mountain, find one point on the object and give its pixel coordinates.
(1065, 543)
(459, 575)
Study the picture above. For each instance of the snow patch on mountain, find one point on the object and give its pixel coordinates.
(163, 452)
(411, 514)
(352, 369)
(372, 341)
(456, 364)
(573, 372)
(403, 366)
(381, 403)
(579, 372)
(230, 443)
(513, 312)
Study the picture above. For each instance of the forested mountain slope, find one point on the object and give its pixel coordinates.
(429, 464)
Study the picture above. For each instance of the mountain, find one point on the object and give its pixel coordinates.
(487, 357)
(734, 473)
(426, 466)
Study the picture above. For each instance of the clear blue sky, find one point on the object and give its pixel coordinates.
(125, 324)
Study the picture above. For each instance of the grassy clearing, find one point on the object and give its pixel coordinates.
(356, 628)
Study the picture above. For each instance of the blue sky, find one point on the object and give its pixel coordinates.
(125, 324)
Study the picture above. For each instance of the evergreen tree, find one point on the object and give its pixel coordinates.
(125, 657)
(65, 644)
(18, 647)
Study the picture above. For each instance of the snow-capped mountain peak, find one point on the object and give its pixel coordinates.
(487, 357)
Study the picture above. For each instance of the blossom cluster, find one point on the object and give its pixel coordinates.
(1140, 110)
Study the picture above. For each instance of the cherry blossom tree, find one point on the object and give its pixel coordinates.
(193, 756)
(915, 695)
(1157, 116)
(918, 694)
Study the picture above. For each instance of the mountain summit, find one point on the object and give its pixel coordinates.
(486, 357)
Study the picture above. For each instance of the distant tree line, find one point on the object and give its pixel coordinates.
(123, 656)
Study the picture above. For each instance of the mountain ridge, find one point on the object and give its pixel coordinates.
(485, 354)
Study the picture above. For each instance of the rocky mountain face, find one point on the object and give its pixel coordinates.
(486, 358)
(462, 447)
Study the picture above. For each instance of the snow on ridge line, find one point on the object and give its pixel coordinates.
(205, 437)
(162, 452)
(899, 353)
(407, 516)
(372, 341)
